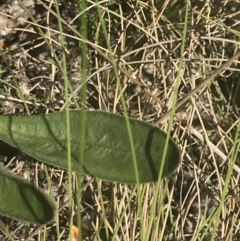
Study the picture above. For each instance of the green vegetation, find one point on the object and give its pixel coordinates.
(144, 61)
(107, 155)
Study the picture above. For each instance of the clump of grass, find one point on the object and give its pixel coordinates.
(140, 47)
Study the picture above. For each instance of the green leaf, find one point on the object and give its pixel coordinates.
(107, 153)
(21, 200)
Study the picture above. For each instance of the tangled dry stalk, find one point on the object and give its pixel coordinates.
(146, 44)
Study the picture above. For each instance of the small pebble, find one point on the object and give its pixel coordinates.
(41, 175)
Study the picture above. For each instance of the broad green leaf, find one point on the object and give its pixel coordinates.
(107, 153)
(21, 200)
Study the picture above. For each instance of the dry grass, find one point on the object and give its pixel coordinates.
(146, 42)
